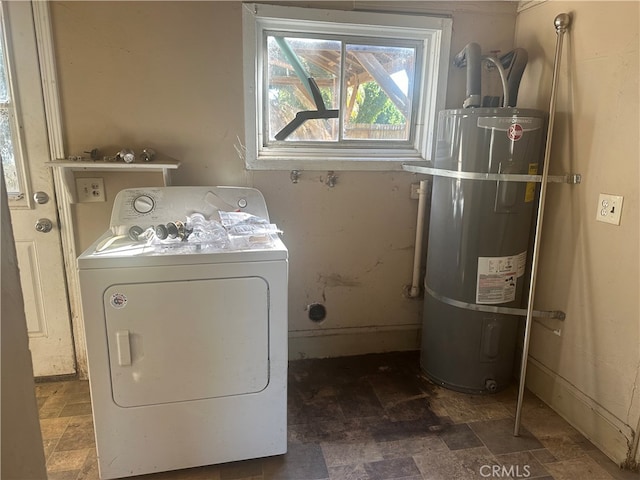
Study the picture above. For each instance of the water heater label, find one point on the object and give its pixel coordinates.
(530, 191)
(498, 277)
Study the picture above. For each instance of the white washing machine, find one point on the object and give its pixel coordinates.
(186, 341)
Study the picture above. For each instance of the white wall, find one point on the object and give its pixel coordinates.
(590, 270)
(169, 75)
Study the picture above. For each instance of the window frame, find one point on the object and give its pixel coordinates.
(21, 199)
(433, 33)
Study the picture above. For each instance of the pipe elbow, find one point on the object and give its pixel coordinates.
(471, 57)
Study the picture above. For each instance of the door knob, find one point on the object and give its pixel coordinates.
(44, 225)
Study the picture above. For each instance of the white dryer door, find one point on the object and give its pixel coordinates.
(176, 341)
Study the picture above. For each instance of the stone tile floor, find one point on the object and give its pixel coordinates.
(372, 417)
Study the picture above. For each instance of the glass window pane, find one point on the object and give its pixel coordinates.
(379, 85)
(303, 82)
(4, 84)
(6, 150)
(9, 167)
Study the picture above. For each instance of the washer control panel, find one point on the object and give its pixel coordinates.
(152, 206)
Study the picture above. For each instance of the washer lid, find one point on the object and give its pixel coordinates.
(111, 251)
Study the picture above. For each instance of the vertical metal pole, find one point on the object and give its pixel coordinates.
(561, 23)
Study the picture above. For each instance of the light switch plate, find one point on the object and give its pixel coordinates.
(609, 208)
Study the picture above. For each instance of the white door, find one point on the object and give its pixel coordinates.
(25, 149)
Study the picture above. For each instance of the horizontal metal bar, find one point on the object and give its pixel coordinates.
(504, 177)
(558, 315)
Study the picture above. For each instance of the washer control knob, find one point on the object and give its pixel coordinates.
(143, 204)
(135, 232)
(242, 202)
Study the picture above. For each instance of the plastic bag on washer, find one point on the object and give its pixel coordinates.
(206, 232)
(247, 231)
(230, 219)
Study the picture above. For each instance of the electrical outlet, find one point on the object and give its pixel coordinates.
(609, 208)
(90, 190)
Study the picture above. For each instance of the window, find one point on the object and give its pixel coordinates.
(9, 139)
(341, 90)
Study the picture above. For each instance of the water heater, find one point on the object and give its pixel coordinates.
(481, 222)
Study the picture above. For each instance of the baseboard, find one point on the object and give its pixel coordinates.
(340, 342)
(610, 434)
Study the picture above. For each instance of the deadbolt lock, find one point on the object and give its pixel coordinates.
(41, 197)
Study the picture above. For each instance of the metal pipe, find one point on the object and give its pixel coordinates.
(561, 22)
(503, 79)
(470, 57)
(417, 255)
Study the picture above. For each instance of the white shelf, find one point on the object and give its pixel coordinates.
(67, 167)
(102, 165)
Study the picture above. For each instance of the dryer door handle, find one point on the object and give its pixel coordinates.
(124, 348)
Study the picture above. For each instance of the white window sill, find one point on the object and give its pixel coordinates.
(349, 161)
